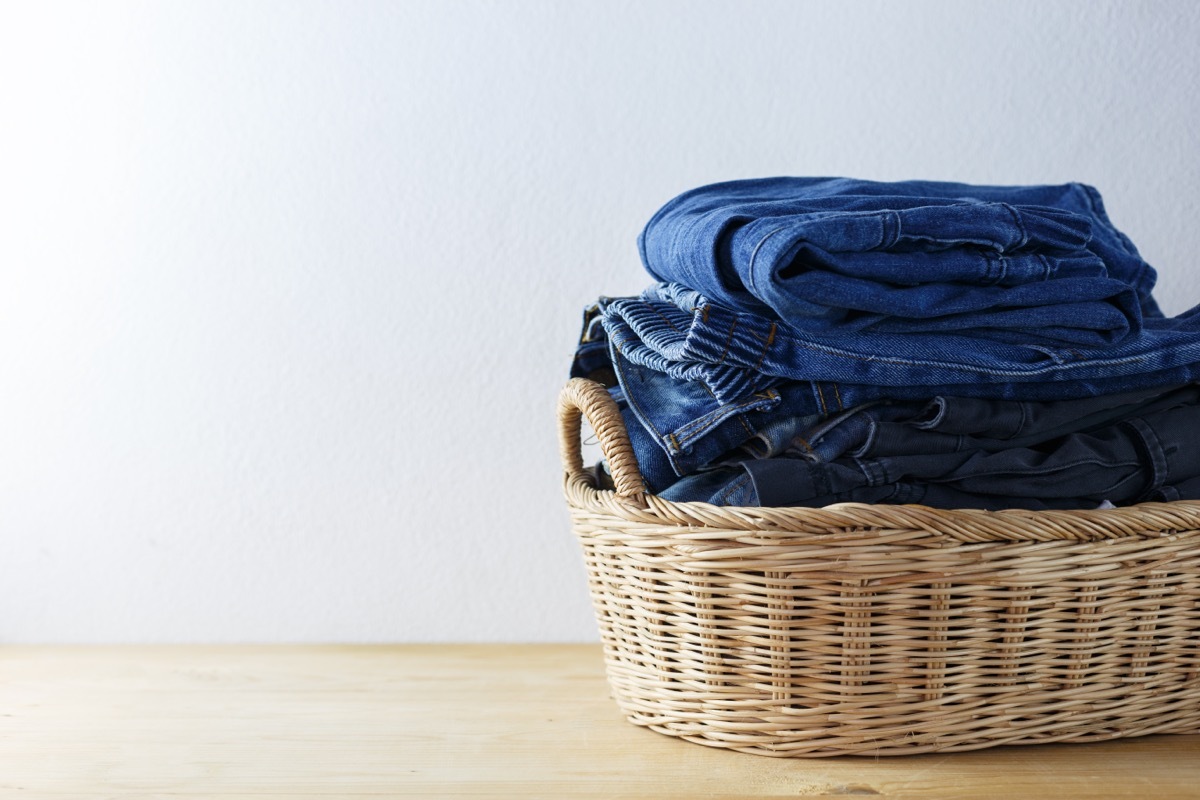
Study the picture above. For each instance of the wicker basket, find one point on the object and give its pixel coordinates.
(883, 630)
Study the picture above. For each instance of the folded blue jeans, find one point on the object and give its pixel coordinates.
(702, 379)
(1013, 263)
(677, 427)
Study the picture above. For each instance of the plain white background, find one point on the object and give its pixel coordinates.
(287, 290)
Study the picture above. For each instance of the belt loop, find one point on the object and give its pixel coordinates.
(1152, 449)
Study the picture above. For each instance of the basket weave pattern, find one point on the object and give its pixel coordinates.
(883, 630)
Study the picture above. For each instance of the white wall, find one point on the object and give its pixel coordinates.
(287, 290)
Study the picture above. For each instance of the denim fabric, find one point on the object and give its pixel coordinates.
(703, 380)
(1147, 456)
(678, 427)
(836, 255)
(955, 424)
(591, 354)
(679, 332)
(820, 299)
(697, 410)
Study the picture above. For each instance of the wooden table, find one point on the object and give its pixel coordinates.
(451, 721)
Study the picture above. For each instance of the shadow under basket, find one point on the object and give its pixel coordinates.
(883, 630)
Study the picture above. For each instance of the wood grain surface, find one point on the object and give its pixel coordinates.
(451, 721)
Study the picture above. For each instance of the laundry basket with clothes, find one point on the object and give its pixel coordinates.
(811, 341)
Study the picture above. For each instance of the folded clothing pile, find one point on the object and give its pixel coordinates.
(820, 340)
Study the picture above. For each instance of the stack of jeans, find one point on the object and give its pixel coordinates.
(821, 340)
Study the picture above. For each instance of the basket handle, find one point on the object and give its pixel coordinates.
(583, 398)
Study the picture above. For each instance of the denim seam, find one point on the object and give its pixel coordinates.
(897, 226)
(745, 426)
(1024, 417)
(645, 419)
(1045, 470)
(824, 426)
(766, 347)
(1156, 457)
(756, 447)
(868, 444)
(1020, 225)
(1097, 207)
(754, 257)
(939, 416)
(963, 367)
(995, 268)
(1108, 490)
(697, 428)
(874, 472)
(1168, 493)
(749, 431)
(804, 442)
(820, 481)
(660, 315)
(1047, 270)
(728, 340)
(738, 484)
(641, 414)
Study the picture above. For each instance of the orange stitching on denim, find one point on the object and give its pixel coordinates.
(742, 419)
(821, 395)
(728, 340)
(738, 484)
(660, 314)
(839, 398)
(713, 395)
(766, 347)
(692, 426)
(674, 442)
(804, 442)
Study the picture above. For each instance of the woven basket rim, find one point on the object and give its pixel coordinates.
(584, 399)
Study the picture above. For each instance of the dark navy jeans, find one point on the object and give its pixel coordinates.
(954, 454)
(954, 424)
